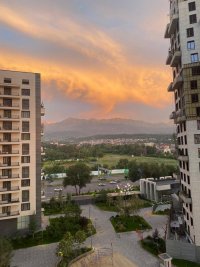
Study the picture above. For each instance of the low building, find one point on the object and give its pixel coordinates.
(159, 189)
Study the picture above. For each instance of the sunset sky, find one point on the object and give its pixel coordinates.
(97, 58)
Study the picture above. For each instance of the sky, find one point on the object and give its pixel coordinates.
(97, 58)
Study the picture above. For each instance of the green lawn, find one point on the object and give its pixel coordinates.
(112, 160)
(183, 263)
(106, 207)
(127, 224)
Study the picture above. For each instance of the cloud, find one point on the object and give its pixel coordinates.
(109, 75)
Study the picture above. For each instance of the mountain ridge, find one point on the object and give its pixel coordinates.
(75, 128)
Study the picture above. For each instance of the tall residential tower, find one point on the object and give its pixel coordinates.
(183, 31)
(20, 150)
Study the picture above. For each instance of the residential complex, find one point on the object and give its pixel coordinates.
(183, 31)
(20, 150)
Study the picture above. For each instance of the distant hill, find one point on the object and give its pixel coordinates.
(73, 128)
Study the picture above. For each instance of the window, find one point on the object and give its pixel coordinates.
(25, 206)
(25, 195)
(26, 92)
(25, 159)
(198, 111)
(195, 98)
(25, 172)
(25, 103)
(197, 138)
(193, 18)
(191, 45)
(25, 126)
(25, 149)
(191, 221)
(188, 179)
(25, 114)
(190, 32)
(194, 57)
(7, 90)
(193, 84)
(195, 71)
(192, 6)
(198, 124)
(7, 80)
(23, 222)
(199, 152)
(25, 182)
(25, 81)
(25, 136)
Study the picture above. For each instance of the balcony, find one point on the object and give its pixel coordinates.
(173, 24)
(8, 214)
(13, 117)
(9, 201)
(167, 35)
(14, 140)
(176, 59)
(170, 88)
(7, 153)
(183, 158)
(11, 165)
(185, 198)
(13, 176)
(172, 116)
(13, 106)
(9, 85)
(42, 110)
(13, 129)
(12, 188)
(12, 94)
(169, 58)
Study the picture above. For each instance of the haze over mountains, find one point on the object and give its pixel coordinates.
(76, 128)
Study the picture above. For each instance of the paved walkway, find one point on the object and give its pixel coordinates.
(125, 244)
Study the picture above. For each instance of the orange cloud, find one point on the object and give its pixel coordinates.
(113, 81)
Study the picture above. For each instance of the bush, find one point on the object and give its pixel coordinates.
(153, 246)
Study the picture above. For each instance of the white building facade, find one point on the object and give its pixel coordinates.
(20, 150)
(183, 31)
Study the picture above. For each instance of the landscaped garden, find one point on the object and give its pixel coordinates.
(129, 223)
(154, 245)
(71, 221)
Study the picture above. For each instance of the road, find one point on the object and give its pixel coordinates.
(49, 191)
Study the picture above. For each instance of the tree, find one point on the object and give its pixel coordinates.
(5, 252)
(78, 175)
(122, 164)
(65, 247)
(32, 226)
(134, 171)
(79, 237)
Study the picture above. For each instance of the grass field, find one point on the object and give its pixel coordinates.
(183, 263)
(112, 159)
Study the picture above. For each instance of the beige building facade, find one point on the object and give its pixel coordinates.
(20, 150)
(183, 32)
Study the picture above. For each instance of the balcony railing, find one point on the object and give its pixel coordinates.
(13, 117)
(7, 214)
(5, 165)
(176, 58)
(13, 152)
(9, 129)
(173, 24)
(12, 188)
(167, 35)
(183, 158)
(185, 197)
(9, 201)
(8, 94)
(13, 176)
(169, 58)
(9, 106)
(9, 141)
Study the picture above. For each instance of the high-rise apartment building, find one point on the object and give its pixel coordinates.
(183, 31)
(20, 150)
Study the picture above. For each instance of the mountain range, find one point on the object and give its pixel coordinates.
(72, 128)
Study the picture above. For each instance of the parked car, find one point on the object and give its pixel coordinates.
(113, 182)
(101, 184)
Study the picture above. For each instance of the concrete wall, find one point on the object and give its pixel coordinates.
(182, 250)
